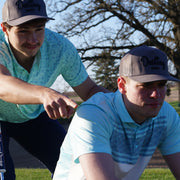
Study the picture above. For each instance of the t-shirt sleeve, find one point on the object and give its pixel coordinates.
(60, 57)
(5, 56)
(74, 73)
(72, 68)
(171, 142)
(89, 132)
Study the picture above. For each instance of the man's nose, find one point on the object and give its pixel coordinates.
(155, 93)
(32, 37)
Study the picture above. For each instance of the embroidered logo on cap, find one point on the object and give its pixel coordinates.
(155, 64)
(28, 5)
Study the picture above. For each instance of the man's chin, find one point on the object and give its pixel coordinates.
(30, 56)
(153, 115)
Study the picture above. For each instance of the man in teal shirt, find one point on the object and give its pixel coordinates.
(113, 135)
(31, 58)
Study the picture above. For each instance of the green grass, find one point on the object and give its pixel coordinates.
(157, 174)
(176, 106)
(44, 174)
(32, 174)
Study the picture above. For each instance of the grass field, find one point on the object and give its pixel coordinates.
(157, 174)
(32, 174)
(43, 174)
(176, 106)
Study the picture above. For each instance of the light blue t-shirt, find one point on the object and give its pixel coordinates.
(102, 124)
(57, 56)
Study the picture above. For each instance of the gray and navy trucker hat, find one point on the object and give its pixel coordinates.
(16, 12)
(145, 64)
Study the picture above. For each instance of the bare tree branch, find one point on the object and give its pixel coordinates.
(119, 25)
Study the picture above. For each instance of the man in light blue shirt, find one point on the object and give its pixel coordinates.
(113, 136)
(31, 58)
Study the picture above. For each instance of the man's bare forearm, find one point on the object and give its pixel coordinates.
(19, 92)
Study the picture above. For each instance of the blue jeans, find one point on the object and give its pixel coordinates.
(41, 137)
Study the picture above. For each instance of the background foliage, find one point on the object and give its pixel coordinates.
(98, 27)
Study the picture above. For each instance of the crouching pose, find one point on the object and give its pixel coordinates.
(113, 136)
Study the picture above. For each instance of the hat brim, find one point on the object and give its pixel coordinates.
(153, 77)
(25, 19)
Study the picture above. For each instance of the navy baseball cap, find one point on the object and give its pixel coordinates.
(16, 12)
(145, 64)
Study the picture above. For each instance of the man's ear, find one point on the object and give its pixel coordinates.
(121, 85)
(4, 28)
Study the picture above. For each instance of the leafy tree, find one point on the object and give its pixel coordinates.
(119, 25)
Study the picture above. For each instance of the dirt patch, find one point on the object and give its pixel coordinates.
(173, 96)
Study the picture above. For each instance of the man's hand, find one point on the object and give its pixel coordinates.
(58, 105)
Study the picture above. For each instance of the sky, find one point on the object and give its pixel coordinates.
(1, 5)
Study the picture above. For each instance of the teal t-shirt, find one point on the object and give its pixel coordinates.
(57, 56)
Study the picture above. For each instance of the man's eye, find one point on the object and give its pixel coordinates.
(146, 85)
(162, 84)
(150, 85)
(23, 31)
(39, 29)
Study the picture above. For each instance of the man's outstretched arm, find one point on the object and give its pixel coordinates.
(16, 91)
